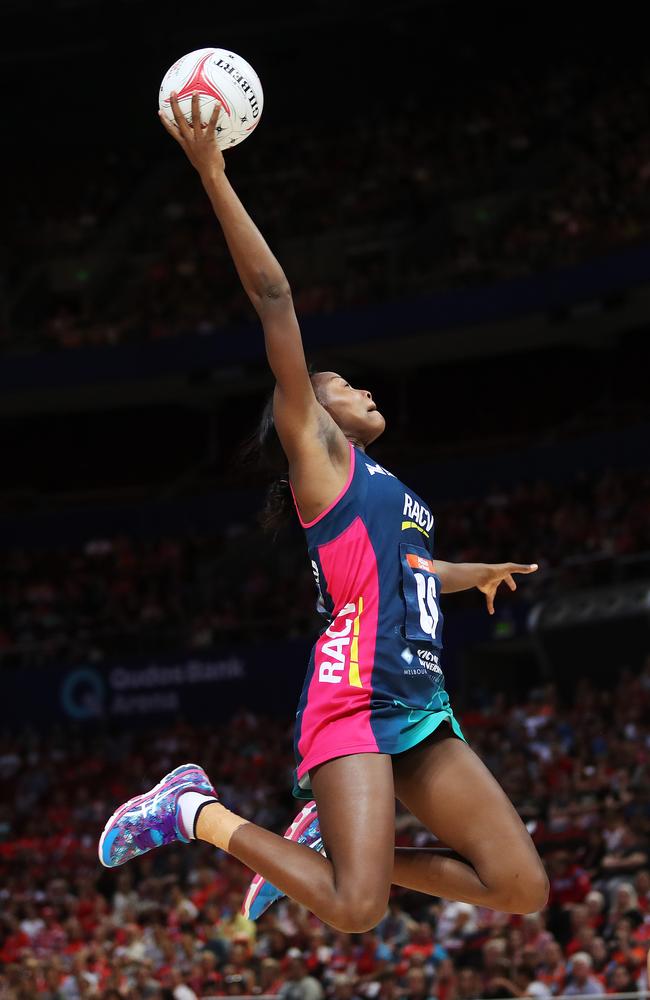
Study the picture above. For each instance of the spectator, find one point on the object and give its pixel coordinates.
(299, 985)
(468, 985)
(344, 988)
(581, 980)
(621, 980)
(417, 986)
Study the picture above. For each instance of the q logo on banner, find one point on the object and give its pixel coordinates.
(82, 694)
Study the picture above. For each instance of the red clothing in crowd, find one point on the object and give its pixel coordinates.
(570, 887)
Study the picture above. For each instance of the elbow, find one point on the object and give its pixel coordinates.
(269, 284)
(278, 291)
(271, 296)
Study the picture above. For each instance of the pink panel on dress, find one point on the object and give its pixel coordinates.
(336, 717)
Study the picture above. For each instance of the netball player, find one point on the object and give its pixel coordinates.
(374, 720)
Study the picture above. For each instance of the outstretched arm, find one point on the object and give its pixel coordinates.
(298, 414)
(485, 576)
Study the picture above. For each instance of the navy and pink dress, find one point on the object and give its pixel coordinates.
(374, 682)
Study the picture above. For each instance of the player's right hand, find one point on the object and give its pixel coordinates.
(199, 141)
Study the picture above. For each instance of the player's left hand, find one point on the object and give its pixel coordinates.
(495, 573)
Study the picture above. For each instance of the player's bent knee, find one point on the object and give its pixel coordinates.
(358, 913)
(525, 892)
(538, 888)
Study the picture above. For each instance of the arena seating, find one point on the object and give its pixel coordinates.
(531, 173)
(125, 595)
(168, 925)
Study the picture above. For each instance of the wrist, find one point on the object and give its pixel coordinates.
(213, 178)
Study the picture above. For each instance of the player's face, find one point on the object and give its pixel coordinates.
(354, 410)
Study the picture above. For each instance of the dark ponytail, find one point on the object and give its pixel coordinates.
(275, 513)
(265, 449)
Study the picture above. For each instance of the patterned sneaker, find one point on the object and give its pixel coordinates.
(152, 819)
(305, 829)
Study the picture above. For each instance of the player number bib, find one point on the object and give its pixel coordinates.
(423, 621)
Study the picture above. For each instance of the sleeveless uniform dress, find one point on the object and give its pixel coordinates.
(374, 682)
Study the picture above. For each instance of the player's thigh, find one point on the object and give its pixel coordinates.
(355, 796)
(451, 791)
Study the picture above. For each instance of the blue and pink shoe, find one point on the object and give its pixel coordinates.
(152, 819)
(305, 829)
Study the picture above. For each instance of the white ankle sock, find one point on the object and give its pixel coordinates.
(189, 804)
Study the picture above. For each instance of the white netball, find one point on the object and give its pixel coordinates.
(216, 75)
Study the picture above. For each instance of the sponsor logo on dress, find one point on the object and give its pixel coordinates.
(342, 647)
(378, 469)
(427, 663)
(418, 515)
(429, 660)
(320, 603)
(417, 562)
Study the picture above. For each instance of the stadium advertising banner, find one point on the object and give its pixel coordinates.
(202, 687)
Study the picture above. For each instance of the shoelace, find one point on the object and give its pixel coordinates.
(151, 806)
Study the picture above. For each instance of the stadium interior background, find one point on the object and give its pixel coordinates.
(460, 197)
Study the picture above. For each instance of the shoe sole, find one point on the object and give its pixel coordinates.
(136, 800)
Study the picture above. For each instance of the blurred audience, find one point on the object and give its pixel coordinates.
(528, 172)
(118, 596)
(168, 925)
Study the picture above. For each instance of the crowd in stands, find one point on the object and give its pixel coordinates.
(66, 215)
(527, 172)
(117, 596)
(169, 924)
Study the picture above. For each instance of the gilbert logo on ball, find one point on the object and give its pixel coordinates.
(216, 75)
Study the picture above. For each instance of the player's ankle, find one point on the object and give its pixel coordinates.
(190, 805)
(215, 824)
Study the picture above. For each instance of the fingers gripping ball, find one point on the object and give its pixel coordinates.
(216, 75)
